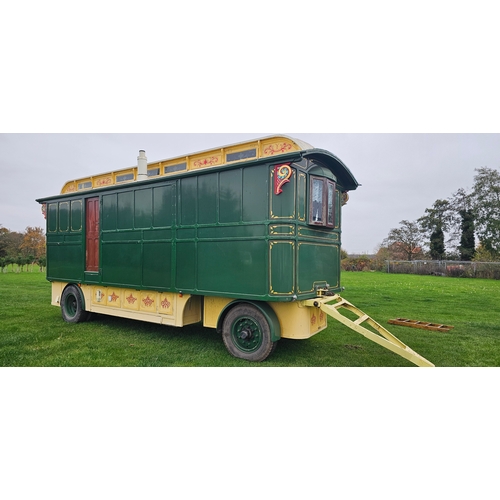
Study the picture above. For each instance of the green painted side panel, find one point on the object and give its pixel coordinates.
(207, 198)
(125, 213)
(109, 213)
(185, 279)
(52, 217)
(232, 231)
(317, 263)
(65, 259)
(121, 263)
(91, 277)
(230, 196)
(64, 216)
(157, 234)
(188, 192)
(319, 234)
(163, 205)
(65, 247)
(143, 208)
(76, 215)
(255, 194)
(235, 267)
(282, 267)
(122, 236)
(188, 233)
(157, 264)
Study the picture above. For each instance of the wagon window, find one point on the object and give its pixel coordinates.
(330, 219)
(317, 208)
(322, 202)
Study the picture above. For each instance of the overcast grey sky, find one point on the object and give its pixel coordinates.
(400, 174)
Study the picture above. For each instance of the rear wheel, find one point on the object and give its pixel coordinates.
(72, 305)
(246, 333)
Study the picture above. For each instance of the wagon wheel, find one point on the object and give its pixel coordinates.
(72, 305)
(246, 333)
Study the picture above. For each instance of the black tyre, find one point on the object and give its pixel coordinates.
(246, 333)
(72, 305)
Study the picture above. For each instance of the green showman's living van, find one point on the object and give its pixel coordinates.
(243, 238)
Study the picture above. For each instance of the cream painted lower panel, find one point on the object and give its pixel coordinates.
(298, 321)
(122, 313)
(57, 290)
(154, 307)
(213, 306)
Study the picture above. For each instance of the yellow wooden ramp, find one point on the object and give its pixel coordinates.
(332, 306)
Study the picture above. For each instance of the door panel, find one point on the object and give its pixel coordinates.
(92, 235)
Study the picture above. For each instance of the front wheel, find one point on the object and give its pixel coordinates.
(72, 308)
(246, 333)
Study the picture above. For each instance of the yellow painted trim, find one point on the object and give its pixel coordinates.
(266, 147)
(103, 181)
(156, 307)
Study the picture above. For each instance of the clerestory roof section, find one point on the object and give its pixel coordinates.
(217, 157)
(343, 175)
(260, 148)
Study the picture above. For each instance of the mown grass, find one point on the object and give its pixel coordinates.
(33, 334)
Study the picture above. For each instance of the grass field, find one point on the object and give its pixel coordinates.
(33, 334)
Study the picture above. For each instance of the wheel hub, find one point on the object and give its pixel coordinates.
(246, 334)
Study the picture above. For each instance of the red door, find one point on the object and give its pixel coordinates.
(92, 235)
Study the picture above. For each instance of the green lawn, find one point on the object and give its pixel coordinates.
(32, 332)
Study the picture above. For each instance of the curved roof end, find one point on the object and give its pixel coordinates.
(344, 176)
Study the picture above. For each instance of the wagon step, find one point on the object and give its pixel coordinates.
(332, 306)
(413, 323)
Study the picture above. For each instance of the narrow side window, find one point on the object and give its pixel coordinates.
(317, 205)
(322, 202)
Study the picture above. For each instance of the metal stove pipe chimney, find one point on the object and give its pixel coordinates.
(142, 166)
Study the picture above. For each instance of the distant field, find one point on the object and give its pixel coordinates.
(32, 332)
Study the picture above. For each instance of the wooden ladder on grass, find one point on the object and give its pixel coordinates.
(332, 306)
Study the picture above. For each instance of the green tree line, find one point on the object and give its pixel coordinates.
(465, 226)
(22, 250)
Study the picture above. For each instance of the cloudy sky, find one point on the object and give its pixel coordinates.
(386, 88)
(400, 174)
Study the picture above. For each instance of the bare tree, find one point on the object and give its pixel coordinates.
(405, 242)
